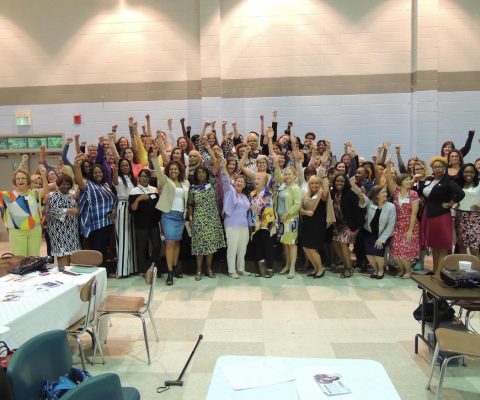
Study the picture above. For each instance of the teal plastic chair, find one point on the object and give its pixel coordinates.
(102, 387)
(46, 356)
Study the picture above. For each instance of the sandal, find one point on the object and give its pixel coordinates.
(346, 273)
(198, 276)
(290, 276)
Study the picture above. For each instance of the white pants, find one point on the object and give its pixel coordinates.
(237, 241)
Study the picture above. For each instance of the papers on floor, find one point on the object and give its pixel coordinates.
(250, 374)
(314, 383)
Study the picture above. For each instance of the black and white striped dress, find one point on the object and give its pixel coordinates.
(124, 231)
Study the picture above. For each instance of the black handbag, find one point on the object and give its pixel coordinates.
(32, 264)
(445, 312)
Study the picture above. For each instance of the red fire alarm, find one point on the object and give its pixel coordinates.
(77, 119)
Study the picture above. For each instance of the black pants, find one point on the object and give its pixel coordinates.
(142, 239)
(98, 240)
(263, 247)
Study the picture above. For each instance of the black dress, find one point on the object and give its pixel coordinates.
(312, 229)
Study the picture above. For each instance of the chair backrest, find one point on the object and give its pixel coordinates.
(150, 278)
(87, 257)
(100, 387)
(46, 356)
(88, 293)
(452, 261)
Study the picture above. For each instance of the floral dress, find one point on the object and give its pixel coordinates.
(400, 247)
(207, 231)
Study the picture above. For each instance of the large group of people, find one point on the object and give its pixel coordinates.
(266, 189)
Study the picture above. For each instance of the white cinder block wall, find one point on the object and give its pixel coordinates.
(218, 45)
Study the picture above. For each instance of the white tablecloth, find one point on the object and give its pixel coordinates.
(367, 379)
(40, 308)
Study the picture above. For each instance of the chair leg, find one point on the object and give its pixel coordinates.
(97, 334)
(467, 321)
(442, 376)
(434, 361)
(80, 349)
(145, 336)
(153, 324)
(95, 344)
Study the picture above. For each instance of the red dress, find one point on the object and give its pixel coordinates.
(401, 247)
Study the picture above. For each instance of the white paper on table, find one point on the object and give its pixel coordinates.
(250, 374)
(308, 389)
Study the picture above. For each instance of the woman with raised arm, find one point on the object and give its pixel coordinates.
(21, 210)
(448, 146)
(455, 162)
(441, 193)
(467, 219)
(124, 181)
(174, 186)
(405, 243)
(62, 215)
(349, 219)
(206, 227)
(142, 201)
(289, 201)
(97, 206)
(236, 220)
(314, 222)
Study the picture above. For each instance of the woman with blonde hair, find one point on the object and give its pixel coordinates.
(314, 223)
(21, 210)
(289, 201)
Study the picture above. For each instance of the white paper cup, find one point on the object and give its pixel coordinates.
(465, 265)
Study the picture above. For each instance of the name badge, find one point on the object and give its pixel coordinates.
(407, 201)
(208, 186)
(152, 196)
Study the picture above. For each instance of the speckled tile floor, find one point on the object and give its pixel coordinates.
(303, 317)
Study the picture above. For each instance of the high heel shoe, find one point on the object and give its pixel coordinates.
(347, 273)
(210, 274)
(319, 276)
(284, 270)
(169, 281)
(380, 276)
(177, 272)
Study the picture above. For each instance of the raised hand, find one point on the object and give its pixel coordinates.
(270, 132)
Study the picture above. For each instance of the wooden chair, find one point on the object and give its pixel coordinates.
(86, 258)
(452, 262)
(459, 343)
(87, 323)
(136, 306)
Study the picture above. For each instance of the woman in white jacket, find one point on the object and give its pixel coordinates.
(379, 224)
(173, 186)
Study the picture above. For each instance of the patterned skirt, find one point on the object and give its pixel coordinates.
(467, 228)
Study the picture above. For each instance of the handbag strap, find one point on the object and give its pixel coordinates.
(4, 347)
(7, 255)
